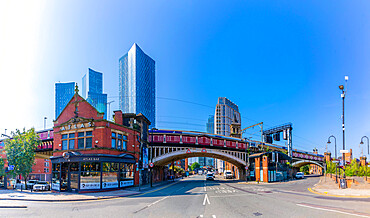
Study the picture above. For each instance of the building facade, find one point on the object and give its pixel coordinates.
(93, 154)
(137, 83)
(226, 113)
(92, 91)
(63, 93)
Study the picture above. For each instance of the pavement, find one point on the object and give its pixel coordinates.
(197, 197)
(48, 196)
(328, 187)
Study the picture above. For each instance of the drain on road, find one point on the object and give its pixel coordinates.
(257, 214)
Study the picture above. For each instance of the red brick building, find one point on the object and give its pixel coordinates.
(93, 154)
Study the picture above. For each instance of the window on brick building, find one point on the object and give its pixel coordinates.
(119, 141)
(46, 170)
(84, 140)
(68, 141)
(46, 164)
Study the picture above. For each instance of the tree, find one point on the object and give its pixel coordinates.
(305, 169)
(352, 168)
(195, 165)
(2, 169)
(20, 151)
(330, 167)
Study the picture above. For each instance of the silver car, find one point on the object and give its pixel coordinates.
(41, 186)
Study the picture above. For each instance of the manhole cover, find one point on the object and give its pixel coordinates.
(257, 214)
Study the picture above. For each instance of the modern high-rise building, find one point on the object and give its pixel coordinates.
(137, 83)
(211, 124)
(92, 91)
(63, 94)
(210, 129)
(226, 113)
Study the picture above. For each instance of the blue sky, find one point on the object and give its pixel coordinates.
(279, 61)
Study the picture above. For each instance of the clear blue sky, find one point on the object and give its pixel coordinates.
(279, 61)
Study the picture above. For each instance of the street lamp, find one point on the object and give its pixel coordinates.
(335, 144)
(45, 122)
(343, 95)
(362, 142)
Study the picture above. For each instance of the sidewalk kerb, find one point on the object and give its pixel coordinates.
(337, 196)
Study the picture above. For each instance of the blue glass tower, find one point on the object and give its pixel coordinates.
(63, 94)
(92, 91)
(137, 83)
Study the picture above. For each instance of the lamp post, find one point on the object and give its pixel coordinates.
(343, 95)
(45, 122)
(335, 144)
(362, 142)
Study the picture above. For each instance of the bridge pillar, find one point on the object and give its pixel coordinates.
(242, 174)
(257, 166)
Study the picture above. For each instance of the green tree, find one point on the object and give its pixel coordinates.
(20, 151)
(330, 167)
(305, 169)
(2, 169)
(352, 168)
(195, 165)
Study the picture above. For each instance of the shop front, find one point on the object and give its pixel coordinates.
(76, 172)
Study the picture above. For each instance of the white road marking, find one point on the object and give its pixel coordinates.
(205, 189)
(213, 216)
(155, 202)
(331, 210)
(206, 199)
(200, 215)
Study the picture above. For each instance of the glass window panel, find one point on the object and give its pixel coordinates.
(114, 167)
(64, 145)
(81, 143)
(81, 134)
(71, 135)
(90, 180)
(71, 144)
(124, 145)
(119, 146)
(74, 166)
(124, 137)
(64, 136)
(119, 136)
(113, 134)
(106, 166)
(113, 143)
(89, 133)
(88, 142)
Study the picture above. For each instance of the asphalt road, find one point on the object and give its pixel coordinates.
(196, 197)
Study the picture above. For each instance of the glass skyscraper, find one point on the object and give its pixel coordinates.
(137, 83)
(92, 91)
(63, 94)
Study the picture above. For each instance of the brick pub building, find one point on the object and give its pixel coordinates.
(93, 154)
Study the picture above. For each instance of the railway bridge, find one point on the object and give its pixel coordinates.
(167, 146)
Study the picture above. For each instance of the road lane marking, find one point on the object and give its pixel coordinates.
(332, 210)
(206, 199)
(213, 216)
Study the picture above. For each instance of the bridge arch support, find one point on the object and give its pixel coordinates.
(238, 159)
(301, 163)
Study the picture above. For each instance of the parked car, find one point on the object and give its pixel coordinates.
(228, 174)
(31, 183)
(41, 186)
(210, 176)
(299, 175)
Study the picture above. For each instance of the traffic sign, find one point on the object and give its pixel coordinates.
(343, 151)
(246, 167)
(11, 167)
(204, 150)
(188, 151)
(151, 164)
